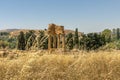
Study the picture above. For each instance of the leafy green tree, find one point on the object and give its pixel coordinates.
(4, 33)
(117, 45)
(69, 41)
(76, 39)
(107, 33)
(118, 33)
(92, 41)
(12, 42)
(21, 41)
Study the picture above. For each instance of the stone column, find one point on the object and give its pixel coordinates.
(58, 41)
(54, 42)
(63, 42)
(49, 42)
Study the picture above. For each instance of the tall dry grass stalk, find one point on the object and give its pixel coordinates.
(39, 65)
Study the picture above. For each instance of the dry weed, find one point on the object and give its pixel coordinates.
(39, 65)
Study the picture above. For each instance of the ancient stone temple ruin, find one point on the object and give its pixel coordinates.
(56, 37)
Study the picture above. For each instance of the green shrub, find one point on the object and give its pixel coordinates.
(3, 44)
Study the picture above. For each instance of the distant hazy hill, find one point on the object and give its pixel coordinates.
(9, 30)
(15, 32)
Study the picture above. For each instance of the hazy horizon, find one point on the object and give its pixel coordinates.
(86, 15)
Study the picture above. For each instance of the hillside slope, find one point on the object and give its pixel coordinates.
(15, 32)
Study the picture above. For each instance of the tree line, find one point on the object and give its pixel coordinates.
(90, 41)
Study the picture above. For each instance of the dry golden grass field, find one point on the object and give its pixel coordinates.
(39, 65)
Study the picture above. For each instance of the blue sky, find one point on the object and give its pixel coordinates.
(86, 15)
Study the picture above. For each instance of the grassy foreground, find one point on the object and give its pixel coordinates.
(42, 66)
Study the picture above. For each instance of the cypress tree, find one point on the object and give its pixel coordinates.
(69, 41)
(82, 41)
(28, 34)
(30, 41)
(76, 39)
(114, 34)
(42, 40)
(21, 41)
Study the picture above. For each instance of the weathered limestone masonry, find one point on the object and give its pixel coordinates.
(55, 35)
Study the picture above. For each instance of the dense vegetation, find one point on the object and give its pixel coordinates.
(90, 41)
(6, 41)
